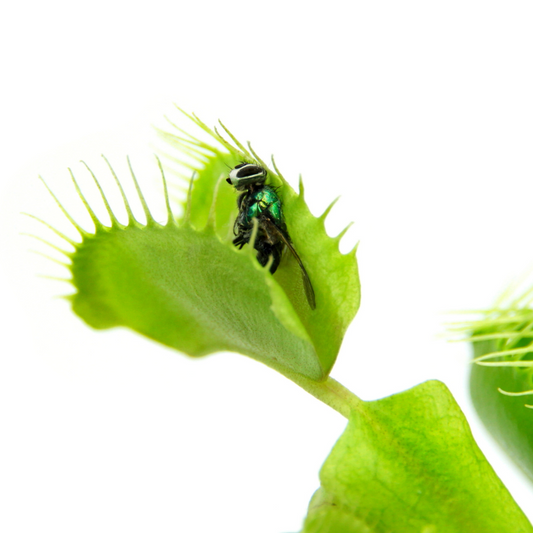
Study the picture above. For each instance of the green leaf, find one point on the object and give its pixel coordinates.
(501, 381)
(185, 285)
(408, 463)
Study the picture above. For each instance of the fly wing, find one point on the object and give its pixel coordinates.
(309, 292)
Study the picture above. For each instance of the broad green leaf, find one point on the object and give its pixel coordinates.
(501, 381)
(185, 285)
(408, 463)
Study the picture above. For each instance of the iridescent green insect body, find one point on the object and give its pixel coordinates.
(261, 202)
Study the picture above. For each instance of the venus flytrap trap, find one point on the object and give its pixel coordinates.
(405, 463)
(501, 380)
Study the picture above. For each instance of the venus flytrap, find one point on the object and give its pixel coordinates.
(405, 463)
(501, 380)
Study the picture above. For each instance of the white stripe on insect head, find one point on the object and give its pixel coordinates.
(239, 173)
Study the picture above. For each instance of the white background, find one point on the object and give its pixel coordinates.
(420, 114)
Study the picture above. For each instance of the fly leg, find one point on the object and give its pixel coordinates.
(277, 249)
(241, 240)
(269, 245)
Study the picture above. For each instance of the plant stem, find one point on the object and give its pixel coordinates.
(330, 392)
